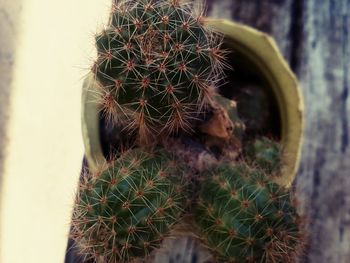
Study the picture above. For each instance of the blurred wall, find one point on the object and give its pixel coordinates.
(9, 14)
(46, 48)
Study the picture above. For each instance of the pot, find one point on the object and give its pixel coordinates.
(261, 53)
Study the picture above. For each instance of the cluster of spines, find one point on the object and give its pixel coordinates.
(157, 66)
(124, 212)
(245, 218)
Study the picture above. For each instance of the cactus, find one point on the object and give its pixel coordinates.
(156, 70)
(266, 154)
(246, 218)
(157, 66)
(124, 212)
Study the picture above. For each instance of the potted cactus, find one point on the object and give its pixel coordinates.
(166, 151)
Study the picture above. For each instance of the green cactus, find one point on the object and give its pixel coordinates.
(266, 154)
(246, 218)
(124, 212)
(157, 66)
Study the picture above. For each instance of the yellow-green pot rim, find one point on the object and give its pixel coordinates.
(260, 49)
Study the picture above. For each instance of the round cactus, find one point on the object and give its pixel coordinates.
(246, 218)
(125, 212)
(266, 154)
(157, 66)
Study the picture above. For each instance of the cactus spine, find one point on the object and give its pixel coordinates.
(126, 211)
(157, 66)
(246, 218)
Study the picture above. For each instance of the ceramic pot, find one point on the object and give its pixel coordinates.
(260, 51)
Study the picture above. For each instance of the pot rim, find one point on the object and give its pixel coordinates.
(274, 69)
(263, 51)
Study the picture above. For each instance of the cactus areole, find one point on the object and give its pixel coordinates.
(157, 66)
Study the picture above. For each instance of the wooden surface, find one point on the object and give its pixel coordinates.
(314, 37)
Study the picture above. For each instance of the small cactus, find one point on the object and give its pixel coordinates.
(157, 66)
(246, 218)
(125, 212)
(266, 154)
